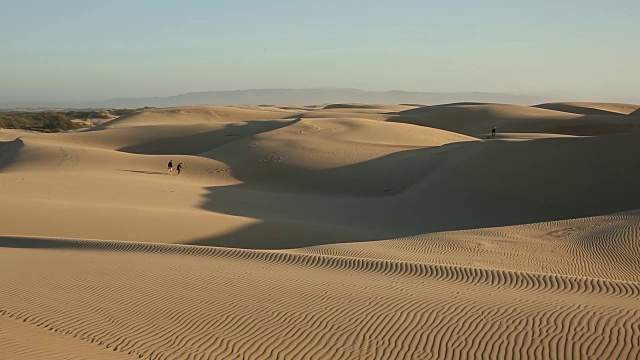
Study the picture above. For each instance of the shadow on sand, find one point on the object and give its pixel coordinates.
(588, 122)
(206, 141)
(445, 188)
(280, 235)
(34, 243)
(144, 172)
(9, 151)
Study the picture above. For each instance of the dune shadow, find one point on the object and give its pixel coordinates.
(143, 172)
(111, 122)
(206, 141)
(449, 188)
(576, 109)
(9, 151)
(315, 207)
(34, 243)
(281, 235)
(463, 120)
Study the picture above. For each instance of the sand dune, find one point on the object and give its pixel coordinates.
(341, 231)
(457, 186)
(478, 119)
(371, 107)
(318, 155)
(605, 247)
(170, 139)
(382, 179)
(589, 108)
(216, 303)
(197, 115)
(350, 113)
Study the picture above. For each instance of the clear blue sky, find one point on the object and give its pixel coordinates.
(83, 50)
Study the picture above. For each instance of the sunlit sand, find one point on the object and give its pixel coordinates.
(343, 231)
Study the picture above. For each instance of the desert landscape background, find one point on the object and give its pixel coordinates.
(335, 231)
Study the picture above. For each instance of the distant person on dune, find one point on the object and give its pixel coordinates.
(178, 168)
(170, 167)
(493, 132)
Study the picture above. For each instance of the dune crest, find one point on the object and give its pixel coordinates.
(567, 119)
(590, 108)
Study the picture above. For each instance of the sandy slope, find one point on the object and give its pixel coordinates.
(590, 108)
(325, 176)
(478, 119)
(606, 247)
(23, 340)
(514, 247)
(379, 108)
(318, 155)
(197, 115)
(178, 302)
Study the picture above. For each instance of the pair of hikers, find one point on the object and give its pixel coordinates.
(170, 167)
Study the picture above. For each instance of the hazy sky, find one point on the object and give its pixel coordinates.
(82, 50)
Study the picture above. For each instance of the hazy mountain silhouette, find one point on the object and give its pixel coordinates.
(295, 96)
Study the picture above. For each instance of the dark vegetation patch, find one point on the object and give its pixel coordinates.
(56, 121)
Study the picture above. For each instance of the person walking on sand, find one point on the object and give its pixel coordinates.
(178, 168)
(493, 132)
(170, 167)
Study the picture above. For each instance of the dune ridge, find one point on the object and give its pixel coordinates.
(478, 119)
(395, 268)
(590, 108)
(203, 328)
(605, 247)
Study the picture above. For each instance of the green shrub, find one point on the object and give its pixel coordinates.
(55, 121)
(46, 121)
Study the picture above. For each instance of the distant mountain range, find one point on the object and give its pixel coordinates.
(294, 97)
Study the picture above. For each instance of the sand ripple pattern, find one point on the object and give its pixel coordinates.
(606, 247)
(154, 301)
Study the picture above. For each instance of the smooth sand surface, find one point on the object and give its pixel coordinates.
(341, 231)
(478, 119)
